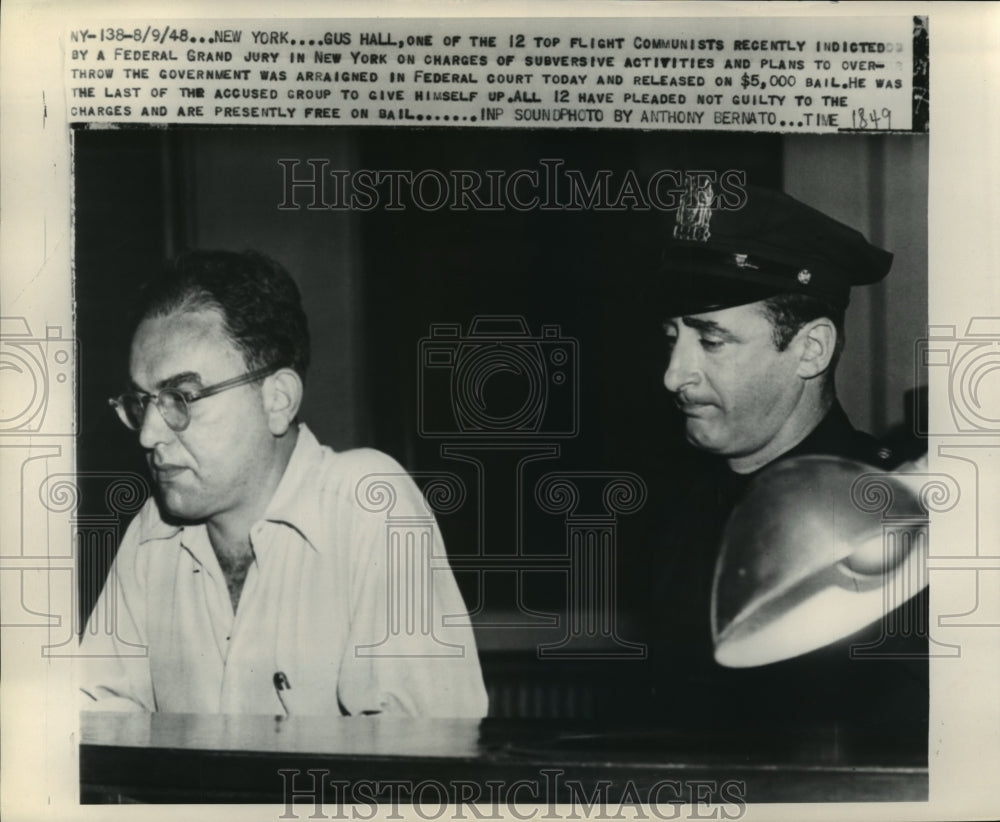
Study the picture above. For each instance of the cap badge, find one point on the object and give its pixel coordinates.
(805, 275)
(742, 261)
(694, 212)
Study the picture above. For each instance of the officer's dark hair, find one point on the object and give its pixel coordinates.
(259, 302)
(787, 314)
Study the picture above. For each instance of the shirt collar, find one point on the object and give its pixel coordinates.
(152, 526)
(296, 501)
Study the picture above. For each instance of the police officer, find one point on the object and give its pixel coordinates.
(753, 299)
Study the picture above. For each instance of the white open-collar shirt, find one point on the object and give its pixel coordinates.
(350, 598)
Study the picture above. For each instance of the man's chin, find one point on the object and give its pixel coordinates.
(703, 438)
(177, 506)
(707, 439)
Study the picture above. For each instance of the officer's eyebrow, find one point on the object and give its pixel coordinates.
(709, 327)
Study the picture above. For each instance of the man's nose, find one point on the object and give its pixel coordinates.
(154, 429)
(682, 369)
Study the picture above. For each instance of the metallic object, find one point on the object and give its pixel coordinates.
(806, 560)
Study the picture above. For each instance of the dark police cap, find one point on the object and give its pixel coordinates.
(718, 257)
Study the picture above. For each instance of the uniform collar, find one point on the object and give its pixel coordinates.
(833, 435)
(295, 502)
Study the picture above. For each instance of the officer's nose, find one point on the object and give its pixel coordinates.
(682, 369)
(154, 430)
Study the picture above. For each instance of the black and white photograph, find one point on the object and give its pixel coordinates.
(551, 418)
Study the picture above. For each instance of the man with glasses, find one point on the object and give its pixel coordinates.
(255, 580)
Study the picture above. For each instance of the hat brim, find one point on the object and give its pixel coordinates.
(685, 293)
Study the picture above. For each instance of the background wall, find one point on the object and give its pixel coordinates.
(230, 188)
(878, 185)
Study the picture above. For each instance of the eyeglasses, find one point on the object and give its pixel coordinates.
(172, 403)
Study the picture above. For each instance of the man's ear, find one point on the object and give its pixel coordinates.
(816, 341)
(282, 397)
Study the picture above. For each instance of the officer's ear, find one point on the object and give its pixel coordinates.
(815, 342)
(282, 396)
